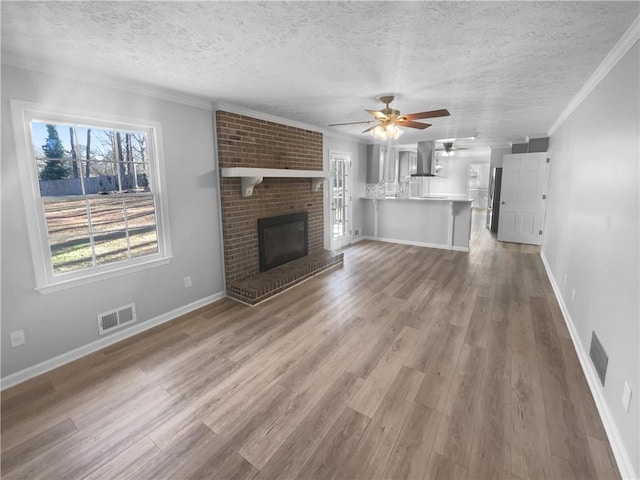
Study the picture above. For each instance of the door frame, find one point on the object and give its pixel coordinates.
(347, 239)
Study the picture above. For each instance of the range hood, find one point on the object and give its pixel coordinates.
(426, 160)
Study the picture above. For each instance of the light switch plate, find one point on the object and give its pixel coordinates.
(626, 396)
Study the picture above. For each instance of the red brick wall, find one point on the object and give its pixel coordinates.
(249, 142)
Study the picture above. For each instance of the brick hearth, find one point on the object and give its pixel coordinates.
(264, 285)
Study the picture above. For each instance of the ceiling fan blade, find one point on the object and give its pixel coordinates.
(349, 123)
(378, 115)
(411, 124)
(430, 114)
(370, 128)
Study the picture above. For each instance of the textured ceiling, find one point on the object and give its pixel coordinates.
(504, 70)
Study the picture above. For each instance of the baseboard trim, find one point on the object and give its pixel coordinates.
(617, 445)
(441, 246)
(75, 354)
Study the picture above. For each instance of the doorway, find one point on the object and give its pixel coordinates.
(340, 200)
(479, 184)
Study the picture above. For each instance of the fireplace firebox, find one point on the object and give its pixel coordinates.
(282, 238)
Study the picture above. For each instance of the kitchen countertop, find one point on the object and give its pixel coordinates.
(440, 198)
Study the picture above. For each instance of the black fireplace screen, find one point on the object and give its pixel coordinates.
(282, 239)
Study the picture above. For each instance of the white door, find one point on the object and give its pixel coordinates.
(340, 200)
(523, 184)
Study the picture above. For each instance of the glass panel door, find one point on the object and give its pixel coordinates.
(340, 200)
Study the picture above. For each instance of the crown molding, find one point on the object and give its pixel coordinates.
(619, 50)
(118, 84)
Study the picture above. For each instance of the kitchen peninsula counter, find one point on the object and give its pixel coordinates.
(437, 221)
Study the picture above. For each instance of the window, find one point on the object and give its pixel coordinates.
(95, 189)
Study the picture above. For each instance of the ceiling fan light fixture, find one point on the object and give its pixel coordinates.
(379, 132)
(393, 131)
(387, 132)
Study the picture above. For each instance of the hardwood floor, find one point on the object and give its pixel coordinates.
(407, 362)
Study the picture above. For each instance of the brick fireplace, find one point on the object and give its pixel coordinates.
(248, 142)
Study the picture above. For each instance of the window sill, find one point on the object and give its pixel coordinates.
(95, 277)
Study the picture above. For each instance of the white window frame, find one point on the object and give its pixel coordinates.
(46, 282)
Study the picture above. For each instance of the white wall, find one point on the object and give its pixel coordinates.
(592, 233)
(457, 180)
(496, 156)
(57, 323)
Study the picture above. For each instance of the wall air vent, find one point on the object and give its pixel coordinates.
(599, 357)
(356, 232)
(114, 319)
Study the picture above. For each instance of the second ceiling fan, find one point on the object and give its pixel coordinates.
(389, 119)
(448, 149)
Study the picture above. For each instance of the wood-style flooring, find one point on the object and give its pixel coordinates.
(407, 362)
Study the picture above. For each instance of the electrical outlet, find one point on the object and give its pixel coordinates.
(17, 338)
(626, 396)
(573, 295)
(187, 282)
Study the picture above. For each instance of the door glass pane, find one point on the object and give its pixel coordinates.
(339, 202)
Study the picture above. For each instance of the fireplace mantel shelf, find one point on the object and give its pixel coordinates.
(250, 177)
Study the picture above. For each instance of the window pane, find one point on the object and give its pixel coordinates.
(136, 177)
(143, 241)
(98, 159)
(132, 155)
(96, 144)
(70, 253)
(107, 214)
(111, 247)
(55, 151)
(139, 146)
(66, 218)
(100, 177)
(140, 211)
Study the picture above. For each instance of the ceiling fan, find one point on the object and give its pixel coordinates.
(389, 120)
(448, 149)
